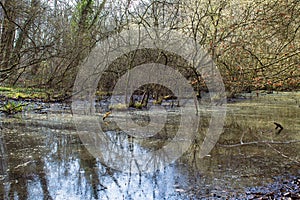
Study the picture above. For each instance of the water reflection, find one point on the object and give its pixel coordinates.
(42, 157)
(22, 166)
(55, 165)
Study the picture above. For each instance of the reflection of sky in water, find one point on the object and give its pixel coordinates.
(71, 178)
(35, 190)
(69, 182)
(72, 173)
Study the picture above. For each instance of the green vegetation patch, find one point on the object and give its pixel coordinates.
(5, 89)
(12, 107)
(23, 93)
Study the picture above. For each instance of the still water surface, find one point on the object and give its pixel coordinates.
(42, 157)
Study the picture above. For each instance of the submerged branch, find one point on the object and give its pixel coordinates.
(259, 142)
(269, 144)
(282, 154)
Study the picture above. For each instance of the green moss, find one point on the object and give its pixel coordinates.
(120, 106)
(23, 93)
(39, 96)
(19, 95)
(158, 102)
(102, 93)
(5, 89)
(12, 107)
(138, 105)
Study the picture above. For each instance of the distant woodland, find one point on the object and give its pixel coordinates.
(255, 44)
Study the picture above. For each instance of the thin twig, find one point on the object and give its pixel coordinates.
(259, 142)
(282, 154)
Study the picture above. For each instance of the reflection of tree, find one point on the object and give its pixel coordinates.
(249, 148)
(18, 184)
(3, 166)
(88, 176)
(19, 166)
(29, 163)
(137, 155)
(88, 163)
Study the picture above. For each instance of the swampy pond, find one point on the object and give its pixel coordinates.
(42, 156)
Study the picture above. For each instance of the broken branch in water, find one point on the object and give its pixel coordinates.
(106, 115)
(278, 126)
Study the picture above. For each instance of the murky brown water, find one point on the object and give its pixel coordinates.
(42, 157)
